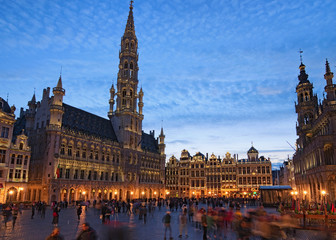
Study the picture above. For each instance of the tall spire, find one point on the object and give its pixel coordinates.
(130, 30)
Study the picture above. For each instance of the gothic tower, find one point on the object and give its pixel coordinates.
(127, 117)
(306, 108)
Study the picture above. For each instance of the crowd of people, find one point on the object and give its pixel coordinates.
(216, 218)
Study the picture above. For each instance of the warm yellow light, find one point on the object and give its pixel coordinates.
(154, 193)
(11, 192)
(226, 192)
(83, 192)
(143, 193)
(193, 193)
(323, 192)
(244, 193)
(167, 192)
(132, 193)
(20, 188)
(304, 192)
(115, 192)
(292, 193)
(209, 192)
(296, 193)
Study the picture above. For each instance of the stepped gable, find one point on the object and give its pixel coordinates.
(148, 143)
(81, 121)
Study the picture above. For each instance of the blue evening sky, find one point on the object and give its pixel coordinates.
(219, 74)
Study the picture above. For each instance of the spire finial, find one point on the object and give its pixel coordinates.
(252, 143)
(7, 96)
(131, 4)
(61, 71)
(327, 66)
(300, 51)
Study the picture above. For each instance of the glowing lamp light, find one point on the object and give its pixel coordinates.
(244, 193)
(143, 193)
(132, 193)
(304, 192)
(193, 193)
(154, 193)
(11, 192)
(209, 192)
(115, 193)
(292, 193)
(20, 188)
(296, 193)
(83, 192)
(323, 192)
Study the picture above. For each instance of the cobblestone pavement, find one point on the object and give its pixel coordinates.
(38, 228)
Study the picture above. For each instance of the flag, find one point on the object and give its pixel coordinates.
(332, 208)
(58, 171)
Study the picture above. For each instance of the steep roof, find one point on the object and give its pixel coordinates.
(87, 123)
(4, 106)
(149, 143)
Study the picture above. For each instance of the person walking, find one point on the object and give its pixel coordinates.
(87, 233)
(55, 235)
(183, 223)
(79, 212)
(167, 220)
(15, 212)
(33, 211)
(56, 211)
(204, 225)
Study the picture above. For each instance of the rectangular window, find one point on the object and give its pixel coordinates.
(77, 153)
(19, 160)
(2, 156)
(76, 174)
(91, 154)
(10, 176)
(62, 152)
(268, 180)
(84, 153)
(82, 174)
(1, 173)
(26, 160)
(89, 175)
(95, 175)
(70, 151)
(101, 176)
(67, 173)
(60, 172)
(116, 177)
(106, 176)
(4, 132)
(96, 155)
(13, 159)
(17, 173)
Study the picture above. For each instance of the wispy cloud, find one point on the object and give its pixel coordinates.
(220, 74)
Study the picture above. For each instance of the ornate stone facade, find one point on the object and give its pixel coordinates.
(14, 156)
(314, 159)
(201, 176)
(77, 155)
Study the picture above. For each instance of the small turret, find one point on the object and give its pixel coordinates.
(162, 145)
(330, 88)
(56, 107)
(112, 95)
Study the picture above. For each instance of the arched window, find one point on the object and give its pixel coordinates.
(126, 64)
(127, 45)
(306, 97)
(131, 65)
(301, 97)
(21, 145)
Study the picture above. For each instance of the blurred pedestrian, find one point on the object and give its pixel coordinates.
(79, 212)
(166, 221)
(55, 235)
(15, 212)
(183, 224)
(56, 211)
(87, 233)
